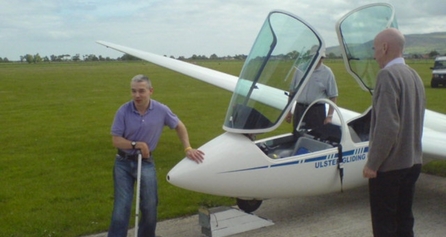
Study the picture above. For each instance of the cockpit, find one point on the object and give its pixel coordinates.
(288, 48)
(261, 97)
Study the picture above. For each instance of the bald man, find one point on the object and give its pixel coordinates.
(395, 153)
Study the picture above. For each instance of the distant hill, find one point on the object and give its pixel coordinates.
(425, 43)
(415, 44)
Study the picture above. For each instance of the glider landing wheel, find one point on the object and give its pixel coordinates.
(248, 206)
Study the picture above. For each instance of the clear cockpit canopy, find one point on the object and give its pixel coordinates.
(285, 46)
(356, 32)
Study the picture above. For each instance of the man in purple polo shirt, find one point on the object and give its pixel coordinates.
(137, 126)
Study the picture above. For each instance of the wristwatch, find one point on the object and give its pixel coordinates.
(133, 144)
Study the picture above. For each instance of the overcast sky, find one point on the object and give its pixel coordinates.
(177, 27)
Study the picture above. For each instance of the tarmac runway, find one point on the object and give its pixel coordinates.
(340, 214)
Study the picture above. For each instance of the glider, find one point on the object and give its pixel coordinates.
(320, 160)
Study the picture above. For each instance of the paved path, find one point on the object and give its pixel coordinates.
(341, 214)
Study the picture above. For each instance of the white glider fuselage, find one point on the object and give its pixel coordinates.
(235, 166)
(238, 168)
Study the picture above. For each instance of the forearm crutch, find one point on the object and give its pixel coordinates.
(138, 187)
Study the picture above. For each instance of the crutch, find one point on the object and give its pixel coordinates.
(138, 187)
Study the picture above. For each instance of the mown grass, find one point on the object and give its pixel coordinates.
(57, 157)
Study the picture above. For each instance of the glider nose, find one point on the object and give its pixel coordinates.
(187, 171)
(223, 155)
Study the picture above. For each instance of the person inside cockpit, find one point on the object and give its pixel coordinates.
(321, 84)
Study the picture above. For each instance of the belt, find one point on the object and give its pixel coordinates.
(133, 157)
(306, 105)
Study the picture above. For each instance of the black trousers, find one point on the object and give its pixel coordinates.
(391, 196)
(314, 118)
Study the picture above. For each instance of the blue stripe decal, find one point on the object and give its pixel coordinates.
(309, 160)
(287, 163)
(315, 159)
(248, 169)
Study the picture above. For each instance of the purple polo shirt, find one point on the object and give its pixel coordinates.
(128, 123)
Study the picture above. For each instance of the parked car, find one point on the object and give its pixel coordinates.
(439, 72)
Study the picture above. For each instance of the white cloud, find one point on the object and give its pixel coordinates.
(176, 27)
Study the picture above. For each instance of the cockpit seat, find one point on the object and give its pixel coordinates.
(306, 145)
(303, 145)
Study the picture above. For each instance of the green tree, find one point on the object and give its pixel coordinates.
(76, 58)
(128, 57)
(332, 55)
(90, 57)
(29, 58)
(64, 57)
(213, 56)
(37, 58)
(53, 58)
(433, 53)
(293, 55)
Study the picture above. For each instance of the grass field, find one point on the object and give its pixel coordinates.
(57, 157)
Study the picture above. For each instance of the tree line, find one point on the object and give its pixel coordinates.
(36, 58)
